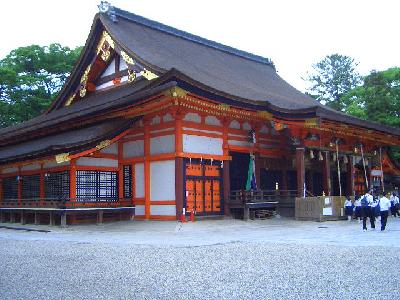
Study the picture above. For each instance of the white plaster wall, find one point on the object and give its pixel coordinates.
(239, 143)
(112, 149)
(104, 85)
(192, 117)
(163, 210)
(202, 144)
(202, 130)
(110, 69)
(156, 120)
(9, 170)
(234, 124)
(162, 144)
(133, 149)
(97, 162)
(30, 167)
(139, 210)
(122, 65)
(168, 117)
(212, 120)
(139, 180)
(246, 126)
(54, 164)
(162, 180)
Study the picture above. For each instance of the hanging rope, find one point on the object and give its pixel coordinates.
(380, 158)
(365, 170)
(338, 167)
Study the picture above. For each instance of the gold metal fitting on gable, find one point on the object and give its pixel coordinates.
(311, 122)
(264, 114)
(127, 58)
(103, 144)
(148, 74)
(176, 92)
(63, 157)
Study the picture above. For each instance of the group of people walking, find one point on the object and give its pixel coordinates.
(372, 206)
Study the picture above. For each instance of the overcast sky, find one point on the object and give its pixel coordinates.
(294, 34)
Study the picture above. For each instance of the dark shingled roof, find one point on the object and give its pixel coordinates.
(97, 103)
(223, 68)
(69, 141)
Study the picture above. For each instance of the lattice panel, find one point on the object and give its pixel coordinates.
(128, 181)
(30, 186)
(56, 185)
(10, 188)
(96, 185)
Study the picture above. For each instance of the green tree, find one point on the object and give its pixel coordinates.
(331, 78)
(378, 99)
(30, 78)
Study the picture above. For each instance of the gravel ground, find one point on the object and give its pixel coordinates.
(54, 269)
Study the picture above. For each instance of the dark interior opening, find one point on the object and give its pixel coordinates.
(238, 170)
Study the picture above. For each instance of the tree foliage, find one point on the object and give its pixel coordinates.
(30, 78)
(378, 100)
(333, 77)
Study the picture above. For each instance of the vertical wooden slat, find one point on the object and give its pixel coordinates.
(300, 167)
(326, 173)
(72, 180)
(350, 176)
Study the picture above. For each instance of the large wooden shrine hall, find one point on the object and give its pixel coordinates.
(155, 122)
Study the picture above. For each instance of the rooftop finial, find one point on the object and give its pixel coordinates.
(105, 7)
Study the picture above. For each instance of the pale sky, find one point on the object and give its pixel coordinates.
(294, 34)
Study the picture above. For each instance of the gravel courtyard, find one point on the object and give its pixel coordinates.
(225, 259)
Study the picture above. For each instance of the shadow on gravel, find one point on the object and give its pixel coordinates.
(25, 229)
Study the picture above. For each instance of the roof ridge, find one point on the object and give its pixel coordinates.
(191, 37)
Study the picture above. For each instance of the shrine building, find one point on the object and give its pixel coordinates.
(155, 122)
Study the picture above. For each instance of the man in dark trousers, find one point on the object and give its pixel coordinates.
(384, 204)
(366, 210)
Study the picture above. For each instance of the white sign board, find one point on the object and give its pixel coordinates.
(327, 211)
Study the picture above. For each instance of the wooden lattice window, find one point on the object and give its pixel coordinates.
(128, 181)
(30, 186)
(10, 188)
(96, 186)
(56, 185)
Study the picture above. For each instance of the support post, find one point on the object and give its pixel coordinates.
(12, 217)
(350, 176)
(23, 218)
(300, 170)
(37, 219)
(100, 214)
(63, 222)
(51, 219)
(326, 173)
(1, 216)
(246, 213)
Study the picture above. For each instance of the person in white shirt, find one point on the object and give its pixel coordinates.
(395, 205)
(357, 208)
(367, 211)
(384, 204)
(348, 208)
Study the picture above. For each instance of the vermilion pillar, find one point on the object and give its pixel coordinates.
(326, 173)
(300, 168)
(350, 176)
